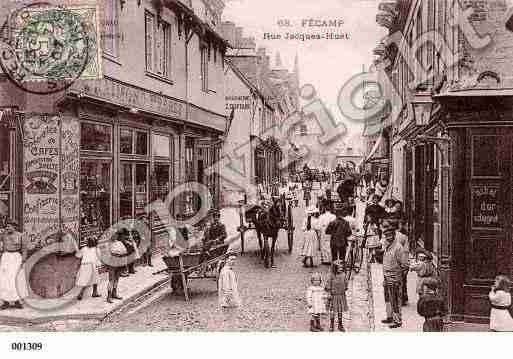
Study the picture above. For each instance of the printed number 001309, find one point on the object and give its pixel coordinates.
(26, 346)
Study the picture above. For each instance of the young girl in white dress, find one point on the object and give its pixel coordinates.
(316, 297)
(88, 273)
(310, 242)
(500, 299)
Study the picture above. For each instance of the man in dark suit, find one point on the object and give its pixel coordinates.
(339, 230)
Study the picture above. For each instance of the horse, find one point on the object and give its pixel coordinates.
(268, 222)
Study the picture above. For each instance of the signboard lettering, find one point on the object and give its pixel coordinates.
(485, 207)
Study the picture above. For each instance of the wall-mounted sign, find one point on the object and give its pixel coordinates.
(131, 96)
(41, 179)
(485, 206)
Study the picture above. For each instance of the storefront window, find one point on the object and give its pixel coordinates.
(141, 188)
(141, 143)
(125, 190)
(5, 174)
(133, 189)
(126, 141)
(5, 159)
(95, 137)
(161, 146)
(95, 197)
(133, 142)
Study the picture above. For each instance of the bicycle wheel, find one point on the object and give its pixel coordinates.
(349, 263)
(358, 259)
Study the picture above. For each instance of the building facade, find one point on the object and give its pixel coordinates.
(103, 150)
(452, 141)
(274, 97)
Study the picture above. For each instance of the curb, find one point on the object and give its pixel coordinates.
(45, 320)
(372, 318)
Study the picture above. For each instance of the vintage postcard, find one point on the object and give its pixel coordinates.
(330, 166)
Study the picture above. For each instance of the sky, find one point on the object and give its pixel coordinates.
(326, 64)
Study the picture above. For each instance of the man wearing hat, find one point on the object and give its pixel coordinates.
(395, 263)
(215, 233)
(12, 289)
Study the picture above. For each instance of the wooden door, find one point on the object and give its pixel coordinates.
(489, 219)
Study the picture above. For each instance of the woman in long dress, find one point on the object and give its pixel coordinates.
(13, 285)
(227, 286)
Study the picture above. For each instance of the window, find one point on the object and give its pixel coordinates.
(133, 142)
(133, 189)
(204, 68)
(149, 26)
(5, 173)
(158, 46)
(110, 24)
(95, 137)
(95, 196)
(161, 146)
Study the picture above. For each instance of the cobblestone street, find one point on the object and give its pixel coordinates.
(273, 299)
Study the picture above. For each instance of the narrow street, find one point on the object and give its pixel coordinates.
(273, 299)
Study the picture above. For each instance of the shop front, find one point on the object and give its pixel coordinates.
(480, 127)
(112, 150)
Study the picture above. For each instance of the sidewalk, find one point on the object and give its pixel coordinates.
(412, 322)
(89, 309)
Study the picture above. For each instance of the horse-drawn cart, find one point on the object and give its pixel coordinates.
(194, 264)
(267, 222)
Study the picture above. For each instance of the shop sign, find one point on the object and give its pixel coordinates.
(51, 173)
(485, 205)
(41, 178)
(70, 173)
(130, 96)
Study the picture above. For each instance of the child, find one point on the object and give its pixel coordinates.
(310, 241)
(431, 306)
(424, 267)
(336, 288)
(227, 285)
(372, 240)
(500, 299)
(88, 273)
(315, 296)
(402, 238)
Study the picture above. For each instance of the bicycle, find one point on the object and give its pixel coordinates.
(354, 255)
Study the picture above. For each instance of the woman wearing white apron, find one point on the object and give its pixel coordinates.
(13, 287)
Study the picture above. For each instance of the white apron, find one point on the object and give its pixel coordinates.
(12, 287)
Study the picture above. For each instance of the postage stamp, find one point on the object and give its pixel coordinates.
(49, 47)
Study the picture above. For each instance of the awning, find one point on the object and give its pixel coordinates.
(476, 93)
